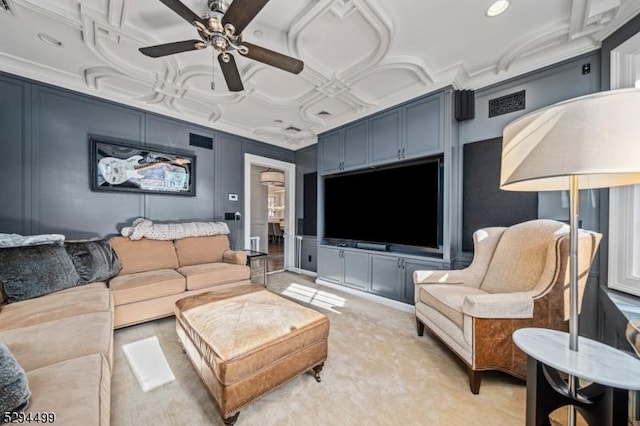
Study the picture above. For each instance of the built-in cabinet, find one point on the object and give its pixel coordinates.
(408, 131)
(344, 266)
(384, 274)
(345, 149)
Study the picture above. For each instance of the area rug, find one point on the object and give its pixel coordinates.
(148, 363)
(378, 372)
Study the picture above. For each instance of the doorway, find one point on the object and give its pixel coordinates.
(270, 209)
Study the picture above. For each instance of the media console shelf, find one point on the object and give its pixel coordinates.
(385, 274)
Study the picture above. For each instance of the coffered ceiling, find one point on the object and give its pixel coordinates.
(360, 56)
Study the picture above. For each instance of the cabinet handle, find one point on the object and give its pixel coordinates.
(399, 154)
(403, 156)
(399, 263)
(404, 263)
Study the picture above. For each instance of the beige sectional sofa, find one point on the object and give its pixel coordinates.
(63, 340)
(64, 343)
(156, 273)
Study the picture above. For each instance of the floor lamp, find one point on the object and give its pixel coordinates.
(588, 142)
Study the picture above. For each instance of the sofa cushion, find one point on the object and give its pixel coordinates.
(199, 250)
(447, 299)
(94, 297)
(86, 398)
(50, 342)
(144, 255)
(33, 271)
(521, 255)
(14, 386)
(210, 274)
(146, 285)
(94, 260)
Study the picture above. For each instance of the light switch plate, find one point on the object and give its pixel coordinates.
(233, 197)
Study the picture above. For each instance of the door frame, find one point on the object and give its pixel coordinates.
(289, 201)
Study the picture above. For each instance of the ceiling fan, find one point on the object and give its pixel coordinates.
(221, 28)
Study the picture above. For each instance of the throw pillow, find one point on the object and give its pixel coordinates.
(33, 271)
(14, 387)
(94, 260)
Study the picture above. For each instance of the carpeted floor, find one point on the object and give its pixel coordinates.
(378, 372)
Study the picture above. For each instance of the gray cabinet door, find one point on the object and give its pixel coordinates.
(385, 137)
(409, 266)
(330, 264)
(356, 269)
(423, 127)
(355, 146)
(331, 150)
(385, 276)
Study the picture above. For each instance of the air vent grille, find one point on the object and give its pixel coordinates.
(292, 129)
(199, 140)
(4, 5)
(506, 104)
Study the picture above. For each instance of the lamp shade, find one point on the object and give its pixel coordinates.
(594, 137)
(272, 177)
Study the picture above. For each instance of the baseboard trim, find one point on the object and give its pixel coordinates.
(302, 272)
(374, 298)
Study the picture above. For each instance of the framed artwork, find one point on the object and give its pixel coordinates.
(128, 167)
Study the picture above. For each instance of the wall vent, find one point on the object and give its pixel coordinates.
(291, 129)
(199, 140)
(4, 5)
(506, 104)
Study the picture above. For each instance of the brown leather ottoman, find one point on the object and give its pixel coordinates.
(246, 340)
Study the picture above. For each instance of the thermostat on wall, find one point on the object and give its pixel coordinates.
(233, 197)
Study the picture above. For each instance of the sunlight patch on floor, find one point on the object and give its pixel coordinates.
(315, 297)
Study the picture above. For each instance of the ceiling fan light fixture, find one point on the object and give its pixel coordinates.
(497, 7)
(272, 177)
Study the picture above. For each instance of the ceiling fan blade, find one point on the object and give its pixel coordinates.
(171, 48)
(269, 57)
(230, 72)
(241, 12)
(187, 14)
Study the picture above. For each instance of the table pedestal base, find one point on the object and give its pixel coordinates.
(547, 391)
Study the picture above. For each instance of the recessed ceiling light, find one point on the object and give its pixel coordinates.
(49, 39)
(497, 7)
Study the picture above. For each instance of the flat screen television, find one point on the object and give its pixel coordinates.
(396, 205)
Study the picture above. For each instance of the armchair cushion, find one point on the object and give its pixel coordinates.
(447, 299)
(501, 305)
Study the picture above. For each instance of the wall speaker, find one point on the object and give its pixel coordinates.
(464, 103)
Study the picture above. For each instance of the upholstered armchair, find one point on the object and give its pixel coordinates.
(518, 277)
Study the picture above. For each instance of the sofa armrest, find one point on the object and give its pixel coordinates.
(237, 257)
(500, 305)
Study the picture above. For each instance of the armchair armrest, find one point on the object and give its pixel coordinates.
(236, 257)
(455, 276)
(499, 305)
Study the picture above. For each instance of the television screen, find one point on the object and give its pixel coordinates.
(398, 205)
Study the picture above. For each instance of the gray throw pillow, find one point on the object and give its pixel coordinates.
(94, 260)
(14, 387)
(33, 271)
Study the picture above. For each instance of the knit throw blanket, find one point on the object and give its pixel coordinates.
(144, 228)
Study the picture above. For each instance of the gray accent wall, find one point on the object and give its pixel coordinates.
(44, 158)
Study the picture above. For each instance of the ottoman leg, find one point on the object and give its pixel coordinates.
(231, 420)
(316, 370)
